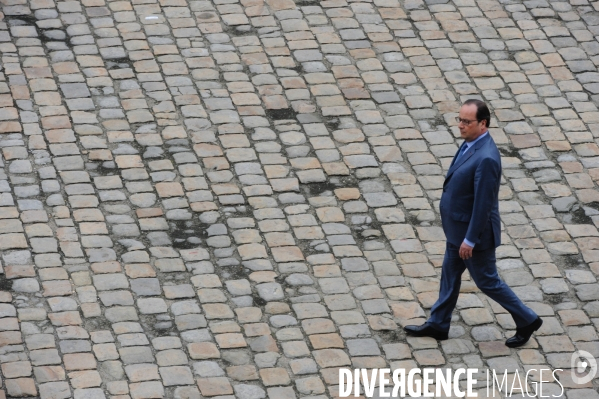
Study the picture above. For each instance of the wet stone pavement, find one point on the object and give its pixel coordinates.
(236, 198)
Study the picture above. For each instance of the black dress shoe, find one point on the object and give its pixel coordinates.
(523, 334)
(426, 330)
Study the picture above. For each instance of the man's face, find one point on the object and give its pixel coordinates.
(474, 129)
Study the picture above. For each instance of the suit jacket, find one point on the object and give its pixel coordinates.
(470, 200)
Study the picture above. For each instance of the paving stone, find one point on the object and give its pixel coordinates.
(227, 185)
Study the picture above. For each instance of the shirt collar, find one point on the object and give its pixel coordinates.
(470, 144)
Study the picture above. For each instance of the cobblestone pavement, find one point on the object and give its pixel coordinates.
(235, 198)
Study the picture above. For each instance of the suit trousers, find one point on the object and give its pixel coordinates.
(483, 271)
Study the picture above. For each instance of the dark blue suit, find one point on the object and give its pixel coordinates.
(470, 210)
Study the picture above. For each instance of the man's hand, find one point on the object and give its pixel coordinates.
(465, 251)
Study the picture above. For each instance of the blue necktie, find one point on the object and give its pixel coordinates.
(462, 151)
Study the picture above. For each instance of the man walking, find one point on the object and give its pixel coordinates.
(470, 217)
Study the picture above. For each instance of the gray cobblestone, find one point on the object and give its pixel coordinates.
(206, 188)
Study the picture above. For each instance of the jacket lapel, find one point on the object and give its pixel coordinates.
(469, 152)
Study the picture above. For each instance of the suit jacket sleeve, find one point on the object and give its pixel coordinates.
(486, 187)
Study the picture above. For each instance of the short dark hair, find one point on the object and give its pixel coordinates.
(482, 111)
